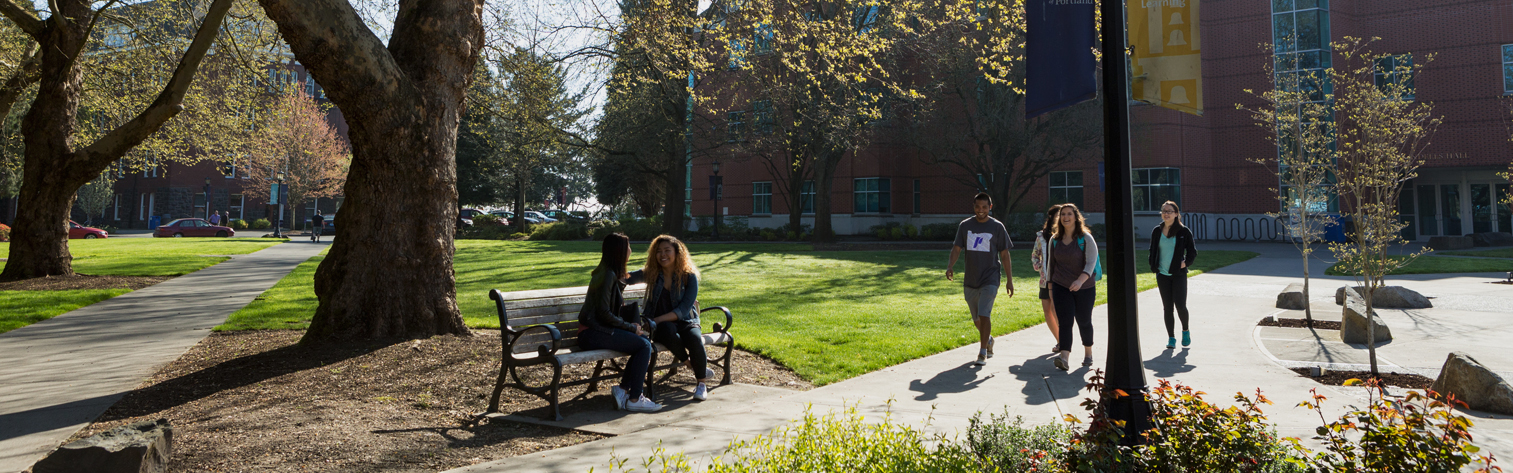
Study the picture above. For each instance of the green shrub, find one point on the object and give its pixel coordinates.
(1100, 231)
(238, 224)
(1420, 432)
(896, 233)
(489, 232)
(769, 235)
(882, 233)
(261, 224)
(559, 231)
(109, 229)
(1014, 447)
(792, 236)
(1233, 439)
(911, 231)
(938, 232)
(832, 443)
(637, 230)
(5, 232)
(486, 219)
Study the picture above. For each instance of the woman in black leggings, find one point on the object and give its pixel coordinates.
(1171, 252)
(670, 300)
(1072, 262)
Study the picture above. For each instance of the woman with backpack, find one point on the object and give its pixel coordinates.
(1073, 270)
(1037, 259)
(1171, 252)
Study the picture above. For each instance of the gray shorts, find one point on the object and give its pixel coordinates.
(980, 300)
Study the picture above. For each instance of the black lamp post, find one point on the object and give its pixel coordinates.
(1125, 371)
(278, 228)
(207, 198)
(714, 189)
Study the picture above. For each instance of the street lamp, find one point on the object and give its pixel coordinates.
(714, 189)
(278, 227)
(207, 198)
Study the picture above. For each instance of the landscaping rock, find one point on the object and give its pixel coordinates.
(1292, 298)
(1474, 384)
(1492, 239)
(137, 448)
(1446, 243)
(1390, 297)
(1353, 328)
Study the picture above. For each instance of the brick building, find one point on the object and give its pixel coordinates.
(1204, 162)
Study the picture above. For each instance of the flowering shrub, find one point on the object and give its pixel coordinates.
(1419, 432)
(5, 232)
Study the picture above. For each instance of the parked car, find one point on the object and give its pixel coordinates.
(192, 227)
(76, 231)
(564, 215)
(469, 213)
(529, 214)
(510, 216)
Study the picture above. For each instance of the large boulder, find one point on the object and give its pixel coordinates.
(1447, 243)
(142, 447)
(1492, 239)
(1292, 298)
(1474, 384)
(1390, 297)
(1353, 328)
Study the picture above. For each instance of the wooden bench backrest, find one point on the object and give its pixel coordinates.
(558, 307)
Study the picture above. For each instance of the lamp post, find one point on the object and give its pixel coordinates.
(278, 231)
(207, 198)
(714, 189)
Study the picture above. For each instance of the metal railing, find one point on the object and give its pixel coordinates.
(1207, 227)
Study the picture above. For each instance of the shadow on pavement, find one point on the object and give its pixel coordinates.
(1044, 384)
(955, 380)
(1170, 362)
(57, 416)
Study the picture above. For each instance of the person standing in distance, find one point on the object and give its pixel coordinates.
(317, 223)
(987, 244)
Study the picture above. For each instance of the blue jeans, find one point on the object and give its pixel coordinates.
(633, 378)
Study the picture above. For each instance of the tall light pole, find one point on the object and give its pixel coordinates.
(714, 189)
(278, 228)
(1124, 363)
(207, 198)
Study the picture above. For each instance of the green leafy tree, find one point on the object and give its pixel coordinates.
(93, 197)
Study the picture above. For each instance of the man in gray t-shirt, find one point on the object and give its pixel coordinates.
(987, 244)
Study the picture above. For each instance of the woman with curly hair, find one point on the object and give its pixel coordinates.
(1072, 263)
(670, 297)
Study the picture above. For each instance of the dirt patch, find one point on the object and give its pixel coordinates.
(1301, 323)
(1338, 378)
(81, 281)
(255, 401)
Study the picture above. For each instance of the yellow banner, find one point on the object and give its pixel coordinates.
(1167, 58)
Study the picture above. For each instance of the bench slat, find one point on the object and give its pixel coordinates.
(559, 292)
(518, 317)
(513, 305)
(577, 354)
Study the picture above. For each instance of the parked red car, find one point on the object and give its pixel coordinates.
(192, 227)
(76, 231)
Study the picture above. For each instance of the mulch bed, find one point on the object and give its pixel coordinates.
(255, 401)
(1338, 378)
(1301, 323)
(81, 281)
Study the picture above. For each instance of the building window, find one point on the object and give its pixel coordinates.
(1066, 187)
(737, 51)
(762, 39)
(199, 206)
(1394, 75)
(309, 85)
(1507, 69)
(916, 197)
(235, 202)
(150, 169)
(1153, 187)
(115, 205)
(228, 170)
(146, 207)
(735, 123)
(864, 19)
(761, 198)
(765, 116)
(872, 196)
(806, 198)
(1300, 41)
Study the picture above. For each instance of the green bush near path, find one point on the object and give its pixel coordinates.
(1442, 265)
(1493, 253)
(153, 256)
(21, 308)
(828, 315)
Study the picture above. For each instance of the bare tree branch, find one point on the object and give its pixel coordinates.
(23, 19)
(27, 73)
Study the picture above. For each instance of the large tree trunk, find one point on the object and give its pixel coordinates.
(677, 177)
(824, 174)
(389, 273)
(53, 168)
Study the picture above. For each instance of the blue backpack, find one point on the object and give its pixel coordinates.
(1097, 265)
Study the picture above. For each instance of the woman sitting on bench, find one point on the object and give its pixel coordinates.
(670, 303)
(603, 329)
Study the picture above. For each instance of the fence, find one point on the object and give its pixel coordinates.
(1231, 228)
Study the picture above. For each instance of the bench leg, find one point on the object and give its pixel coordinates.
(594, 385)
(555, 390)
(729, 350)
(504, 369)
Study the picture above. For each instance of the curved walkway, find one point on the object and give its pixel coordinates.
(62, 373)
(1226, 357)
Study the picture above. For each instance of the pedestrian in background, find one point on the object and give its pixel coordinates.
(1037, 259)
(1171, 252)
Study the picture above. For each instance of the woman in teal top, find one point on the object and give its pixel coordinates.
(1171, 252)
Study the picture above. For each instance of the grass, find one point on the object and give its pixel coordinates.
(1494, 253)
(1438, 265)
(828, 315)
(153, 256)
(116, 257)
(21, 308)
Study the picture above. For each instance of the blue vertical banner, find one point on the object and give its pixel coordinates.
(1060, 70)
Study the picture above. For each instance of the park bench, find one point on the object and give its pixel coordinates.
(541, 328)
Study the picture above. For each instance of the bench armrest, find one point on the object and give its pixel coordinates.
(729, 320)
(542, 350)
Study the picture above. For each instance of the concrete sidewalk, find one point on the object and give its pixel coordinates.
(1227, 356)
(62, 373)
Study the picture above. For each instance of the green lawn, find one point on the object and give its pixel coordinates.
(153, 256)
(21, 308)
(1494, 253)
(828, 315)
(1438, 265)
(117, 257)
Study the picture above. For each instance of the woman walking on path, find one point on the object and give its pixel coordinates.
(1072, 262)
(601, 328)
(1171, 252)
(670, 305)
(1037, 259)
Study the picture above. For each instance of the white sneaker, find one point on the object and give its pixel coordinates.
(991, 342)
(701, 392)
(642, 405)
(620, 397)
(982, 358)
(708, 373)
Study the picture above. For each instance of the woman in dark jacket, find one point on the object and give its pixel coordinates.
(601, 327)
(670, 300)
(1171, 252)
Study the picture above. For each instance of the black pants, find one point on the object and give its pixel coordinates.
(685, 342)
(633, 378)
(1076, 306)
(1173, 294)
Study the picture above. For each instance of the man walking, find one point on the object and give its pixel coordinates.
(987, 244)
(317, 222)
